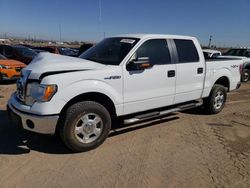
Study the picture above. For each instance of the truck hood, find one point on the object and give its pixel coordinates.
(53, 63)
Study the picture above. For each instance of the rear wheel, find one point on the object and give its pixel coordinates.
(216, 100)
(86, 126)
(245, 76)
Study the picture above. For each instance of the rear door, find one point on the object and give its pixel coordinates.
(190, 71)
(153, 87)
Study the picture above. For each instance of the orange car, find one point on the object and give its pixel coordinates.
(10, 69)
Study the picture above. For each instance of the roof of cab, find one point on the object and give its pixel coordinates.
(153, 36)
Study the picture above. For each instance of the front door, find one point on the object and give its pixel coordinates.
(152, 87)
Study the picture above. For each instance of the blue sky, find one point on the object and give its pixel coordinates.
(226, 20)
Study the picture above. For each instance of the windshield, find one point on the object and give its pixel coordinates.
(2, 57)
(26, 52)
(110, 51)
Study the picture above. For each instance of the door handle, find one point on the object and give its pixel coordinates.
(200, 70)
(171, 73)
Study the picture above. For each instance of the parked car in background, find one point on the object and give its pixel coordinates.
(18, 52)
(10, 69)
(51, 49)
(208, 53)
(68, 51)
(39, 50)
(84, 47)
(244, 54)
(58, 50)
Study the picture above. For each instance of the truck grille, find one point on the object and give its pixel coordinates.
(20, 90)
(21, 85)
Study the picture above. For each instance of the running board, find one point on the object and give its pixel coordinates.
(150, 115)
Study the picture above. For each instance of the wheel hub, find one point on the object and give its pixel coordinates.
(88, 128)
(246, 76)
(219, 100)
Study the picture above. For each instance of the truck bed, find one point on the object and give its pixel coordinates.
(220, 59)
(229, 67)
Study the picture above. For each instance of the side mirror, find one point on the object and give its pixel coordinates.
(139, 64)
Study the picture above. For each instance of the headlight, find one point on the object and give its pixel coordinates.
(4, 67)
(39, 93)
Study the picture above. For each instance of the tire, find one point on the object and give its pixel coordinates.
(86, 125)
(245, 76)
(216, 100)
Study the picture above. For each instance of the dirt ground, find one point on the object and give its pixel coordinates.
(188, 149)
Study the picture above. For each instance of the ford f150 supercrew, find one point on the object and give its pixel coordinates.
(134, 77)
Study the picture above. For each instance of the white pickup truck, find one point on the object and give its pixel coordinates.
(244, 54)
(135, 77)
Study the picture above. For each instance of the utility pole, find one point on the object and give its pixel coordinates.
(100, 19)
(100, 11)
(210, 41)
(60, 32)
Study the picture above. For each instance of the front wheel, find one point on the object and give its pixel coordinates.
(245, 76)
(216, 100)
(86, 125)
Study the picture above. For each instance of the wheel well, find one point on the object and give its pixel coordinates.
(247, 66)
(224, 81)
(93, 96)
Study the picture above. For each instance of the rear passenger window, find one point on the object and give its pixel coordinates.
(156, 50)
(186, 50)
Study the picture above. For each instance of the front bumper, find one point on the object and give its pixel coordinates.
(44, 124)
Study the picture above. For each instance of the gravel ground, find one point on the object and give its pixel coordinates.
(188, 149)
